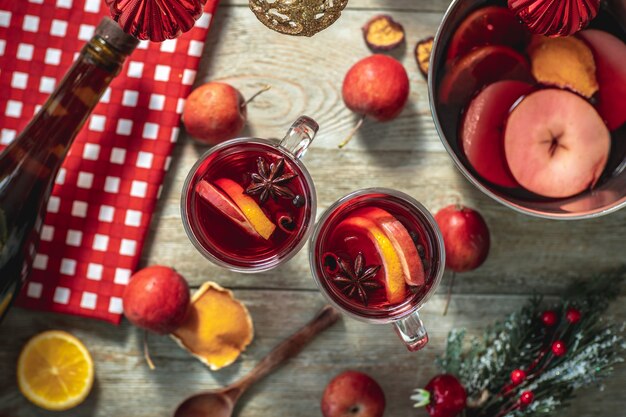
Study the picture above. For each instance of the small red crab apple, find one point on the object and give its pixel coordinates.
(353, 394)
(443, 396)
(465, 237)
(215, 112)
(156, 299)
(376, 87)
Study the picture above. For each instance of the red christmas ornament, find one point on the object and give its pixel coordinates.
(573, 315)
(518, 376)
(555, 17)
(156, 20)
(549, 318)
(526, 398)
(559, 348)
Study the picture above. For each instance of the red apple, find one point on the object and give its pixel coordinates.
(216, 197)
(376, 86)
(465, 237)
(446, 396)
(481, 67)
(353, 394)
(482, 130)
(214, 112)
(156, 299)
(556, 144)
(610, 55)
(492, 25)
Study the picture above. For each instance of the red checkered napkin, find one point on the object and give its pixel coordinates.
(105, 194)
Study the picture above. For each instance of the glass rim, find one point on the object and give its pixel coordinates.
(271, 262)
(431, 223)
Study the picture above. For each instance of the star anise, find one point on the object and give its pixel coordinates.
(270, 181)
(358, 278)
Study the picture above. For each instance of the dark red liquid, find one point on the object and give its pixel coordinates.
(225, 239)
(451, 113)
(347, 246)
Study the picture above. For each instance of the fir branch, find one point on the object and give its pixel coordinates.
(522, 341)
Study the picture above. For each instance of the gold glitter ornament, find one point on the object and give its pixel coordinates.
(297, 17)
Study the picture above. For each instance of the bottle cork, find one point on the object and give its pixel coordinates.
(112, 33)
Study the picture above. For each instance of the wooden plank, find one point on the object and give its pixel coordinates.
(528, 254)
(125, 386)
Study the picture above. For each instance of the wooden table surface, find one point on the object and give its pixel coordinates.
(527, 254)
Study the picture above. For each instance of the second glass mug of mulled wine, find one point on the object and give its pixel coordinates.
(249, 204)
(377, 255)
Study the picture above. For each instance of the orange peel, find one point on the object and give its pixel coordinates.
(565, 62)
(218, 327)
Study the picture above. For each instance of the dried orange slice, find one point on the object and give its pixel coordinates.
(218, 327)
(55, 371)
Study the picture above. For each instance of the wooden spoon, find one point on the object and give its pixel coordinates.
(221, 403)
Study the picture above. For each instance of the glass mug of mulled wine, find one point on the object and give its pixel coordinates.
(249, 204)
(377, 255)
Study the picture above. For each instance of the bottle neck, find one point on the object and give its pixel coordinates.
(41, 147)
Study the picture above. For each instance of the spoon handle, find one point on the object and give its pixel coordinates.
(290, 347)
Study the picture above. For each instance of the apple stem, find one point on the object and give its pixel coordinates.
(421, 398)
(445, 310)
(352, 132)
(261, 91)
(146, 351)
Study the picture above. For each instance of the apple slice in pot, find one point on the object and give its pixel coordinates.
(482, 130)
(610, 56)
(556, 144)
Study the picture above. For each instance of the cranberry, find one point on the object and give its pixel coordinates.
(573, 315)
(518, 376)
(559, 348)
(526, 398)
(549, 318)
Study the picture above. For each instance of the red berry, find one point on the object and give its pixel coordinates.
(518, 376)
(447, 396)
(559, 348)
(549, 318)
(526, 398)
(573, 315)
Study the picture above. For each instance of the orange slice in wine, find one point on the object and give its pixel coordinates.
(401, 241)
(251, 210)
(218, 199)
(395, 283)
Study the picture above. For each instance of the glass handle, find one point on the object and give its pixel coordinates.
(300, 136)
(412, 331)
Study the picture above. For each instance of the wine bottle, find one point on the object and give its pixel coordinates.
(29, 165)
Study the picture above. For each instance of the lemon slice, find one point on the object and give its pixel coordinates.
(55, 371)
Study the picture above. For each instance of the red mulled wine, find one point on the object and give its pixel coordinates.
(377, 254)
(539, 118)
(248, 204)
